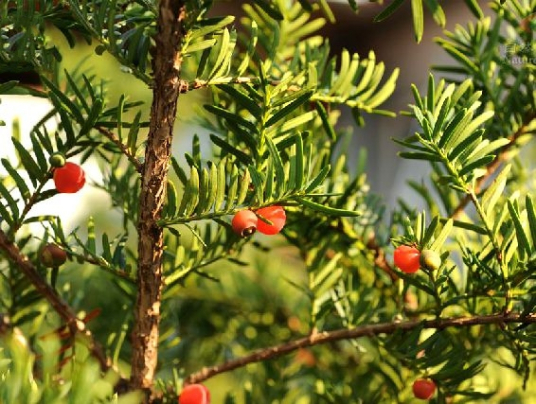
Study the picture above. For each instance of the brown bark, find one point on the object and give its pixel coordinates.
(369, 330)
(166, 66)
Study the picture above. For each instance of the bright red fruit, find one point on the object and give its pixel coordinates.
(424, 389)
(276, 215)
(245, 223)
(69, 179)
(407, 259)
(194, 394)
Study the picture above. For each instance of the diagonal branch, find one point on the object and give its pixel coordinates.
(124, 149)
(74, 324)
(493, 166)
(358, 332)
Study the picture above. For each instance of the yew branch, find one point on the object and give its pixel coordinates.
(493, 166)
(358, 332)
(75, 325)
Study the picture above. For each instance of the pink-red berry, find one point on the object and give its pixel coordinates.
(407, 259)
(69, 178)
(424, 389)
(245, 223)
(276, 215)
(194, 394)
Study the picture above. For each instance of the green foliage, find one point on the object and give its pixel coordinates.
(274, 94)
(81, 381)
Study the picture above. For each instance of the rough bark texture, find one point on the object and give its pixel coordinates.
(166, 66)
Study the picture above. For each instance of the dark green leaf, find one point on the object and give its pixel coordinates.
(240, 155)
(481, 162)
(21, 184)
(132, 138)
(179, 171)
(278, 167)
(306, 5)
(241, 98)
(466, 145)
(258, 183)
(34, 172)
(428, 156)
(303, 97)
(387, 11)
(271, 9)
(106, 251)
(531, 216)
(319, 179)
(8, 85)
(428, 234)
(92, 117)
(38, 151)
(326, 209)
(522, 239)
(299, 166)
(61, 100)
(468, 226)
(328, 127)
(231, 117)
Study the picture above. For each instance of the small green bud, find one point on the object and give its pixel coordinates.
(52, 256)
(57, 160)
(430, 260)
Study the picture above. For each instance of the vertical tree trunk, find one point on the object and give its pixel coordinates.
(166, 66)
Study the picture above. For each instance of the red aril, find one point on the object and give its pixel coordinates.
(424, 388)
(69, 178)
(194, 394)
(275, 215)
(407, 259)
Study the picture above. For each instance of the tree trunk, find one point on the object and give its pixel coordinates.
(166, 66)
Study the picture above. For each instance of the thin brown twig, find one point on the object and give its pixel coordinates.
(358, 332)
(186, 86)
(115, 140)
(380, 260)
(75, 324)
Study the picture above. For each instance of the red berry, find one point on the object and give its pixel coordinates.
(407, 259)
(276, 215)
(194, 394)
(245, 223)
(423, 389)
(69, 179)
